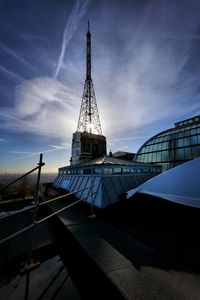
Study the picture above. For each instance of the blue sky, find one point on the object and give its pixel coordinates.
(145, 57)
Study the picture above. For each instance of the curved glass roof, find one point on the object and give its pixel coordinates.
(173, 146)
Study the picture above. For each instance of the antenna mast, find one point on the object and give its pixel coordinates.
(89, 117)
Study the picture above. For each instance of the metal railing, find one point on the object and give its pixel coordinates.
(48, 217)
(35, 208)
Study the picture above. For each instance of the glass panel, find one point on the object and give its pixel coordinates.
(154, 157)
(97, 171)
(147, 149)
(158, 156)
(193, 140)
(187, 132)
(187, 141)
(151, 148)
(159, 147)
(164, 145)
(188, 153)
(139, 158)
(193, 131)
(198, 130)
(164, 155)
(181, 134)
(179, 143)
(107, 171)
(198, 139)
(149, 159)
(195, 151)
(179, 154)
(117, 170)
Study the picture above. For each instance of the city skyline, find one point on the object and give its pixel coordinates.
(145, 68)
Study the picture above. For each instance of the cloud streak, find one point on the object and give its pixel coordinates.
(78, 11)
(44, 107)
(32, 154)
(17, 57)
(11, 74)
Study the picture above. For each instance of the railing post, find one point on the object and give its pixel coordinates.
(92, 215)
(40, 164)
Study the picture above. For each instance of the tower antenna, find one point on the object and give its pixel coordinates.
(89, 120)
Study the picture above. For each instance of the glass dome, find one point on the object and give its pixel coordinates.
(173, 146)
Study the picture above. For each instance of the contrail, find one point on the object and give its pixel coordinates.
(79, 9)
(31, 154)
(19, 58)
(10, 73)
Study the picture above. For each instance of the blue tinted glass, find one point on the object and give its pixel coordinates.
(195, 151)
(149, 157)
(154, 157)
(193, 131)
(159, 146)
(165, 145)
(158, 156)
(188, 153)
(179, 143)
(180, 154)
(164, 155)
(198, 139)
(187, 132)
(181, 134)
(187, 141)
(193, 140)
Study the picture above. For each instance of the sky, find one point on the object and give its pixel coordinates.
(145, 70)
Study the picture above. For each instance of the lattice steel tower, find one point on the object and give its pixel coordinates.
(89, 117)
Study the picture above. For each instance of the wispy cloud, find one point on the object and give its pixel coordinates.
(24, 154)
(17, 57)
(78, 11)
(181, 36)
(11, 74)
(43, 106)
(29, 36)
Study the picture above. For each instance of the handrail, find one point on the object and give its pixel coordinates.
(45, 202)
(40, 221)
(66, 195)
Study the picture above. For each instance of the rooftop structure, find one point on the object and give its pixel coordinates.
(179, 185)
(110, 177)
(88, 141)
(172, 146)
(124, 155)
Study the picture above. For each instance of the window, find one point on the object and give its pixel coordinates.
(164, 145)
(195, 151)
(180, 154)
(154, 157)
(145, 157)
(187, 141)
(188, 153)
(117, 170)
(158, 157)
(149, 157)
(194, 140)
(179, 143)
(198, 130)
(97, 171)
(198, 139)
(164, 155)
(107, 171)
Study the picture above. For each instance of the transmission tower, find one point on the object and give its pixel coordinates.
(89, 117)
